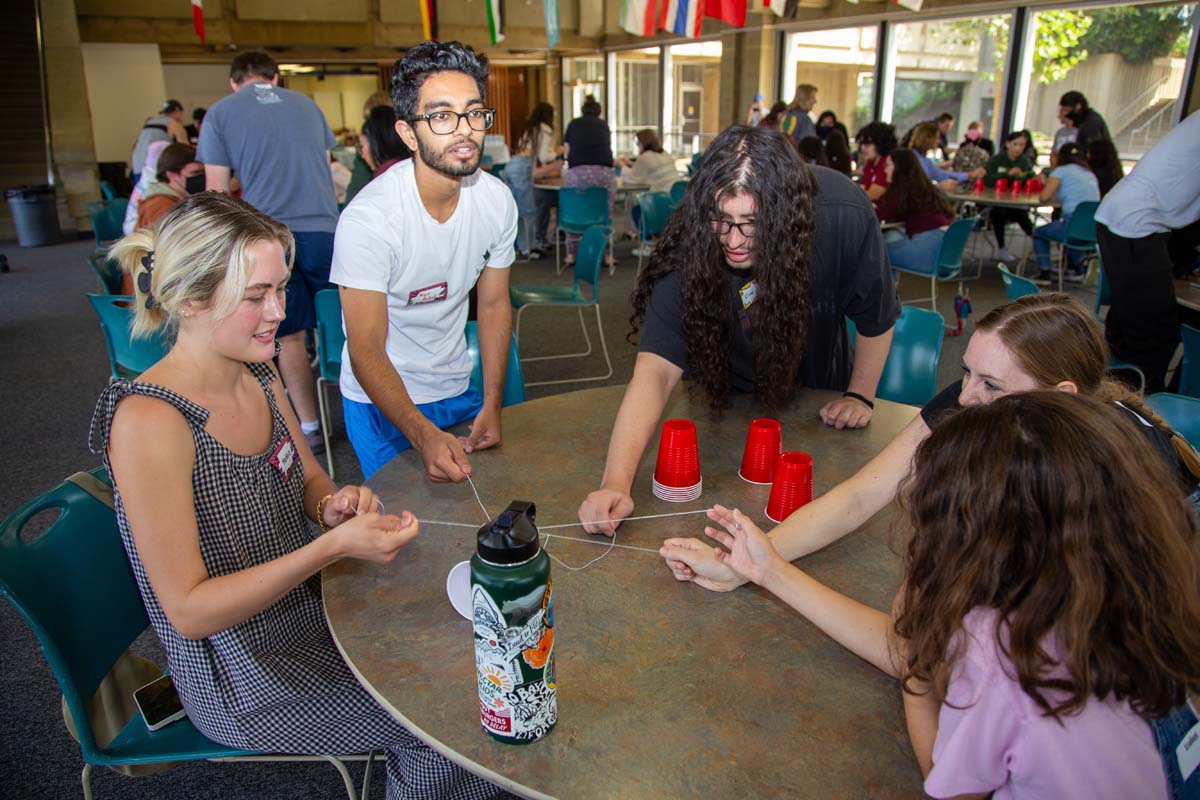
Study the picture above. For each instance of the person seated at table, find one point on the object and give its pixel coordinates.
(652, 167)
(771, 120)
(1045, 633)
(1011, 164)
(588, 144)
(924, 139)
(1105, 163)
(924, 211)
(875, 143)
(532, 160)
(1071, 182)
(217, 495)
(828, 124)
(837, 150)
(1041, 341)
(812, 150)
(382, 148)
(974, 151)
(744, 296)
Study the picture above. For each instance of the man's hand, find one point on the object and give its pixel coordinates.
(445, 460)
(485, 431)
(604, 505)
(846, 412)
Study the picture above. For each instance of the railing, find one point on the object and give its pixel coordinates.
(1154, 121)
(1146, 98)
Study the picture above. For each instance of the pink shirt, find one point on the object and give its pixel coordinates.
(998, 740)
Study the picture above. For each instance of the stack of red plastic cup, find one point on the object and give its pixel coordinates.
(677, 471)
(1002, 186)
(793, 486)
(764, 443)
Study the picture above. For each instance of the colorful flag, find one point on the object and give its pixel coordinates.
(198, 19)
(639, 16)
(681, 17)
(787, 8)
(429, 19)
(495, 21)
(911, 5)
(732, 12)
(550, 11)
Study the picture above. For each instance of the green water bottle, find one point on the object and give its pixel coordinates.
(513, 609)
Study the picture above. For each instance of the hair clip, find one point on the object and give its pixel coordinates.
(143, 280)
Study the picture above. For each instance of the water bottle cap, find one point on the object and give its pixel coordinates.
(512, 537)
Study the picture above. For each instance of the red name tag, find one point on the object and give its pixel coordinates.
(284, 457)
(429, 294)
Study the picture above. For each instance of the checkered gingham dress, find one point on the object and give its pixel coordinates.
(275, 682)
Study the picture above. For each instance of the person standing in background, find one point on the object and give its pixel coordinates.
(796, 123)
(590, 160)
(163, 127)
(1089, 126)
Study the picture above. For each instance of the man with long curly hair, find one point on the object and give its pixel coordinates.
(747, 292)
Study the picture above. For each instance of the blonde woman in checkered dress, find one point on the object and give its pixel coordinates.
(218, 499)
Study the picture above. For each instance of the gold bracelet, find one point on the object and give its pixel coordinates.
(321, 512)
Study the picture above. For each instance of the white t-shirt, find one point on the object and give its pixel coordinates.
(387, 242)
(656, 169)
(1162, 193)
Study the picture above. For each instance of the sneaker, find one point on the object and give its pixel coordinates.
(316, 442)
(522, 255)
(1004, 255)
(1074, 277)
(536, 254)
(643, 251)
(1044, 278)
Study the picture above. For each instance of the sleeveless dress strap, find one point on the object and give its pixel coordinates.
(118, 390)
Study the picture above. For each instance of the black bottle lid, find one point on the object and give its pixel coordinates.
(512, 537)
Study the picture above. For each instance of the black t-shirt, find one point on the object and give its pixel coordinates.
(588, 142)
(849, 277)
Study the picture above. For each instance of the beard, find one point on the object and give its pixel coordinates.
(440, 161)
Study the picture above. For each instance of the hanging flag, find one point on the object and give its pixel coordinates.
(638, 16)
(681, 17)
(911, 5)
(198, 19)
(495, 21)
(429, 19)
(786, 8)
(732, 12)
(550, 11)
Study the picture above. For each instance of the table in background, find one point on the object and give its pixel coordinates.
(990, 197)
(665, 689)
(1187, 295)
(623, 186)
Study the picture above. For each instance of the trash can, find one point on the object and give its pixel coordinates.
(35, 214)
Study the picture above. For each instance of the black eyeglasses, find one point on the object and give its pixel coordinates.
(722, 227)
(445, 122)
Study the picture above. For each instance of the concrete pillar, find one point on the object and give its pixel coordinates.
(748, 64)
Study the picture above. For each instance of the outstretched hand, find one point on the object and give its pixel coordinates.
(692, 560)
(749, 551)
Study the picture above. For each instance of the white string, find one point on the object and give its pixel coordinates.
(487, 516)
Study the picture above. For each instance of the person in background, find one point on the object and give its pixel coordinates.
(924, 139)
(545, 154)
(341, 179)
(828, 123)
(179, 176)
(588, 144)
(653, 167)
(757, 110)
(771, 120)
(149, 176)
(974, 136)
(1088, 124)
(1066, 132)
(944, 123)
(925, 212)
(1010, 164)
(974, 151)
(524, 168)
(875, 143)
(1071, 181)
(837, 150)
(164, 127)
(361, 173)
(381, 147)
(796, 124)
(1031, 152)
(812, 150)
(193, 130)
(1105, 163)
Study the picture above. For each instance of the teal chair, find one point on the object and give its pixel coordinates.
(1181, 413)
(1080, 236)
(579, 208)
(1014, 285)
(108, 271)
(1189, 368)
(678, 189)
(74, 587)
(910, 373)
(947, 262)
(107, 218)
(127, 357)
(655, 210)
(695, 163)
(330, 338)
(514, 381)
(107, 190)
(588, 260)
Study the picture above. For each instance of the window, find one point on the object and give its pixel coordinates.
(841, 64)
(691, 113)
(636, 97)
(580, 77)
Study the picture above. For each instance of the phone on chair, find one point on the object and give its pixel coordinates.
(159, 703)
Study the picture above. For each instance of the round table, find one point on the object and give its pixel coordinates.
(665, 689)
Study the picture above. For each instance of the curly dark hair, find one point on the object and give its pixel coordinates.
(880, 134)
(1071, 528)
(428, 58)
(762, 163)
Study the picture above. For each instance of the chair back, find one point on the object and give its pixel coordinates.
(1189, 368)
(695, 165)
(106, 189)
(107, 218)
(910, 373)
(330, 334)
(1081, 227)
(656, 208)
(948, 261)
(1016, 286)
(514, 381)
(1181, 413)
(74, 587)
(108, 271)
(589, 258)
(580, 207)
(127, 357)
(678, 189)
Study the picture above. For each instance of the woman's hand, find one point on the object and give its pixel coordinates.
(375, 537)
(751, 553)
(692, 560)
(348, 503)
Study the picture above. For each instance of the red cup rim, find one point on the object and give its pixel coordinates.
(796, 457)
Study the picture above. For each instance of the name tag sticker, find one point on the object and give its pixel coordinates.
(284, 458)
(429, 294)
(1188, 752)
(748, 293)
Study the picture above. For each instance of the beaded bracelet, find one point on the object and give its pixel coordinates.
(860, 399)
(321, 512)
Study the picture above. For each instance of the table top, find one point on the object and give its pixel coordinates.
(622, 185)
(664, 689)
(990, 197)
(1187, 293)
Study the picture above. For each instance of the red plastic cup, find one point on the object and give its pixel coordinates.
(1033, 186)
(793, 485)
(979, 186)
(678, 465)
(1002, 186)
(764, 443)
(1016, 187)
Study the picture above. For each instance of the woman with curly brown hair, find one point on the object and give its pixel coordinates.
(1046, 632)
(747, 291)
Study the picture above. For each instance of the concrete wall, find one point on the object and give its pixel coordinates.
(71, 135)
(340, 97)
(196, 85)
(124, 87)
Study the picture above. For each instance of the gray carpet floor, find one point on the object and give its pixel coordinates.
(55, 366)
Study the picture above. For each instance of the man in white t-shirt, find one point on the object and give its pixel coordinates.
(408, 250)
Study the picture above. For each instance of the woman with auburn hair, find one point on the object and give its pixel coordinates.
(1041, 341)
(1046, 631)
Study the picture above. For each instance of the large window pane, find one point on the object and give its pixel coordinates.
(693, 107)
(1127, 60)
(580, 77)
(637, 97)
(841, 64)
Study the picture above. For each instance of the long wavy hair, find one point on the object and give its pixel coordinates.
(762, 163)
(1051, 509)
(910, 191)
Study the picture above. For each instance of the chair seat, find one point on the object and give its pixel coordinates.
(944, 273)
(179, 741)
(560, 295)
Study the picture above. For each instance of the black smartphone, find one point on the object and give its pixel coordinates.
(159, 703)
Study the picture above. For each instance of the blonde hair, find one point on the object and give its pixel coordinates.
(924, 137)
(200, 252)
(804, 91)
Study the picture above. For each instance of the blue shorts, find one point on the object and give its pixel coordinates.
(377, 441)
(310, 274)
